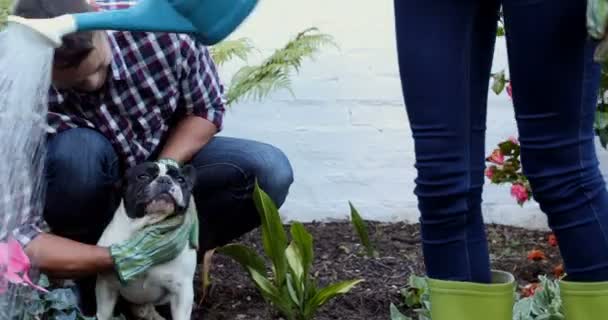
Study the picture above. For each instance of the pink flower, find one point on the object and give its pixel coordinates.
(490, 172)
(14, 266)
(514, 140)
(530, 289)
(510, 90)
(552, 240)
(497, 157)
(520, 193)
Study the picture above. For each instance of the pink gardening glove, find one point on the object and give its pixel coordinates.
(14, 266)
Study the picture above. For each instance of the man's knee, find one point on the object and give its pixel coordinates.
(232, 165)
(274, 174)
(80, 175)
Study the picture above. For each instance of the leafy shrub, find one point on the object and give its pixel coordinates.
(505, 167)
(26, 303)
(544, 303)
(416, 298)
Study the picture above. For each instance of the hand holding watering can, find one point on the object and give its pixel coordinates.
(210, 21)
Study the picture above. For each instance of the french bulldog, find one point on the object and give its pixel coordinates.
(151, 192)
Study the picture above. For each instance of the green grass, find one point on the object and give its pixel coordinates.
(4, 7)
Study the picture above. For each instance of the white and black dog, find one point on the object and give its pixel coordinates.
(152, 192)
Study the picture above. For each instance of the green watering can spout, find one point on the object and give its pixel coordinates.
(209, 21)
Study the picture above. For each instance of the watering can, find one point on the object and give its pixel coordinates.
(209, 21)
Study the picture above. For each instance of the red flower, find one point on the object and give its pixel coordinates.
(536, 255)
(520, 193)
(552, 240)
(497, 157)
(510, 90)
(558, 271)
(529, 290)
(490, 172)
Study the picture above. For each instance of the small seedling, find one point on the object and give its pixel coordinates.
(362, 231)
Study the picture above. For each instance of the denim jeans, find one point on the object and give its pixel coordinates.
(445, 51)
(82, 170)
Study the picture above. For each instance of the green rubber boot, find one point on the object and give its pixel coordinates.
(453, 300)
(584, 300)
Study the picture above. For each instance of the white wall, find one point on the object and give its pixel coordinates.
(346, 130)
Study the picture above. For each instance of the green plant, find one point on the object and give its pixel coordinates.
(228, 49)
(273, 73)
(4, 10)
(545, 303)
(26, 303)
(505, 167)
(601, 119)
(601, 127)
(416, 298)
(396, 314)
(362, 232)
(290, 287)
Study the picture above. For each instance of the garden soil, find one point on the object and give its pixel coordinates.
(339, 257)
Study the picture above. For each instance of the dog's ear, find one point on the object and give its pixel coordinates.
(120, 184)
(189, 173)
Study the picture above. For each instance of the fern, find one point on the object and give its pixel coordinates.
(5, 6)
(226, 50)
(273, 73)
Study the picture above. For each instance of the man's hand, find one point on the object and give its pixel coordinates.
(59, 257)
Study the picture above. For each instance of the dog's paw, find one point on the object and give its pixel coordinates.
(146, 312)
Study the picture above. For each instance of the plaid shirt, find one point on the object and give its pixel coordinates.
(153, 78)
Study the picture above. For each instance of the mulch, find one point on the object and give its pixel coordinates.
(339, 257)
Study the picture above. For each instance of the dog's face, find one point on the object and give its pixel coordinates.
(157, 189)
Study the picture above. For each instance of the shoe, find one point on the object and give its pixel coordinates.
(455, 300)
(584, 300)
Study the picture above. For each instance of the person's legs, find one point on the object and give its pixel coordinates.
(81, 174)
(226, 170)
(555, 85)
(81, 171)
(445, 51)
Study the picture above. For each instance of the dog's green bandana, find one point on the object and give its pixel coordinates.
(155, 244)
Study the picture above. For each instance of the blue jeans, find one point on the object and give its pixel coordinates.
(83, 169)
(445, 51)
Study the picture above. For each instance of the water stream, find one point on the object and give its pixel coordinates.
(25, 77)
